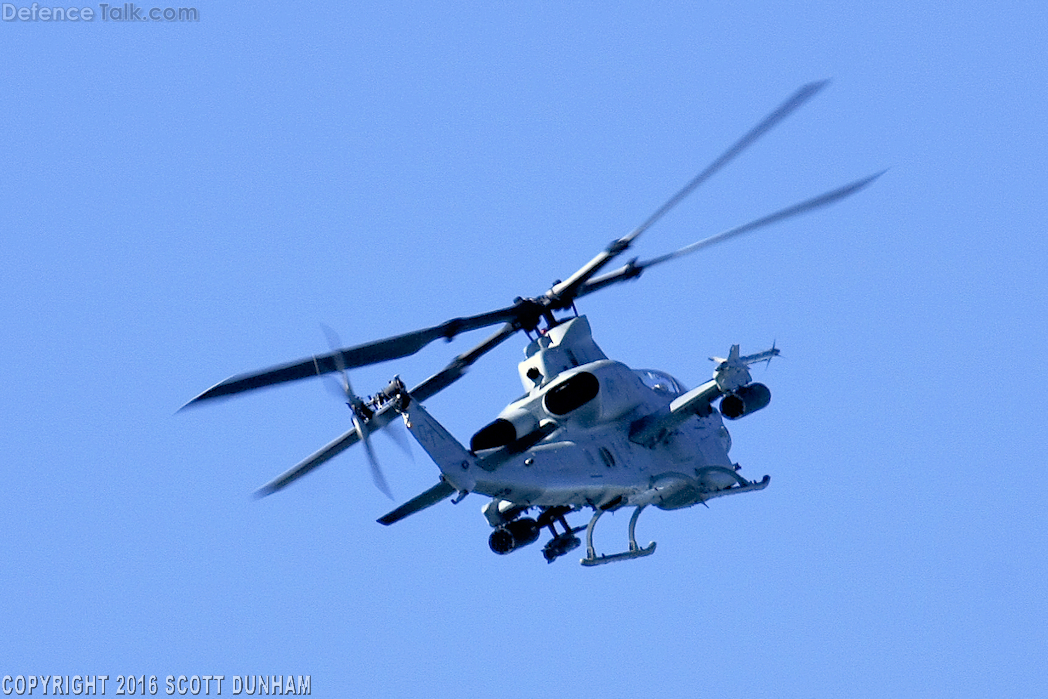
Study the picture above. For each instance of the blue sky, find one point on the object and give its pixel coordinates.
(184, 201)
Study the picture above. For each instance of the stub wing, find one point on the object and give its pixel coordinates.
(729, 377)
(653, 428)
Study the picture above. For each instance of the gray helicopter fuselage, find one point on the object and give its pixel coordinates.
(567, 441)
(588, 431)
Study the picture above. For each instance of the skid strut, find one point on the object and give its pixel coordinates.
(635, 551)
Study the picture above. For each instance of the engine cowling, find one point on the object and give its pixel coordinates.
(504, 430)
(747, 399)
(495, 434)
(571, 394)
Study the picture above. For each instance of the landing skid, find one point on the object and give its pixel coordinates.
(635, 551)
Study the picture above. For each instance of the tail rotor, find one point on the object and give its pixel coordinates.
(361, 415)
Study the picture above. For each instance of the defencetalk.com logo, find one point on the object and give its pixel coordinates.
(126, 12)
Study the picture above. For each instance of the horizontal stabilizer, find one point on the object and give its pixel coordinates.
(429, 498)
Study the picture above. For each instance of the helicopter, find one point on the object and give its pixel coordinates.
(589, 432)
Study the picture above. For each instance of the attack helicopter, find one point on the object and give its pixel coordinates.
(589, 433)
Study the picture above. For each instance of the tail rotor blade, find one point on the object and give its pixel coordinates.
(376, 470)
(356, 405)
(395, 432)
(345, 388)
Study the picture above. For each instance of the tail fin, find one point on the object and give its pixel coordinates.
(455, 461)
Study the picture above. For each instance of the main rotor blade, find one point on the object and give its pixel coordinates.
(326, 453)
(798, 98)
(456, 369)
(428, 388)
(361, 355)
(635, 268)
(566, 290)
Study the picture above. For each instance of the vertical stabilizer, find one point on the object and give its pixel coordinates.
(454, 460)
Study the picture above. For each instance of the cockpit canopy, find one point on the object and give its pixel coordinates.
(660, 382)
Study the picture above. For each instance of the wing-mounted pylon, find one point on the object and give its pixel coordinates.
(749, 360)
(732, 376)
(732, 372)
(731, 379)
